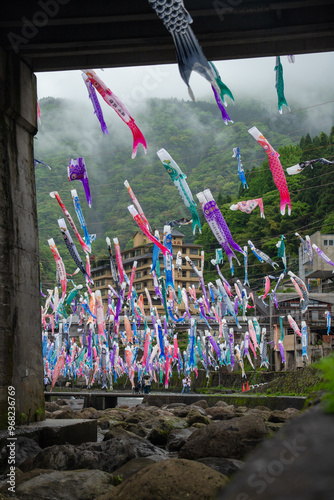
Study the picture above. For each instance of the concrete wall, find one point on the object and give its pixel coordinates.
(20, 332)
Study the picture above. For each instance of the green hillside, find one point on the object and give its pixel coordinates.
(195, 136)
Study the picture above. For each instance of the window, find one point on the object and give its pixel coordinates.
(137, 286)
(196, 285)
(103, 282)
(184, 274)
(193, 251)
(330, 243)
(138, 275)
(315, 315)
(132, 254)
(103, 292)
(326, 243)
(138, 252)
(144, 273)
(193, 274)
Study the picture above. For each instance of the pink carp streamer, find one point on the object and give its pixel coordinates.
(294, 325)
(137, 204)
(138, 219)
(276, 169)
(85, 247)
(248, 206)
(113, 101)
(60, 266)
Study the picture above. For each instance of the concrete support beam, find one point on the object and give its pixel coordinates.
(20, 331)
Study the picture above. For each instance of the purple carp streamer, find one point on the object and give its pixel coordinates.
(189, 54)
(221, 106)
(95, 102)
(218, 225)
(77, 171)
(322, 255)
(224, 90)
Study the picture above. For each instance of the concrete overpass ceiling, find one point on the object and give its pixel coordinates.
(52, 35)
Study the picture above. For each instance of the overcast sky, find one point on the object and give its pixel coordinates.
(309, 78)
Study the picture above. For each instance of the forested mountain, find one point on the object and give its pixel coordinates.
(195, 136)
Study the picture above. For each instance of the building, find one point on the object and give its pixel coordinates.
(319, 272)
(142, 253)
(319, 343)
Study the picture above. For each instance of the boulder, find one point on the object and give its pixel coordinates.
(280, 416)
(178, 437)
(137, 429)
(223, 404)
(21, 477)
(103, 423)
(173, 405)
(162, 427)
(264, 414)
(62, 402)
(66, 485)
(67, 413)
(219, 413)
(171, 479)
(225, 438)
(274, 427)
(25, 448)
(296, 463)
(181, 412)
(263, 408)
(132, 467)
(87, 413)
(116, 431)
(196, 417)
(201, 403)
(106, 455)
(51, 406)
(226, 466)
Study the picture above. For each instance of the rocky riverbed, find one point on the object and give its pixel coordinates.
(174, 452)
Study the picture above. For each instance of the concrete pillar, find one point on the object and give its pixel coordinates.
(20, 327)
